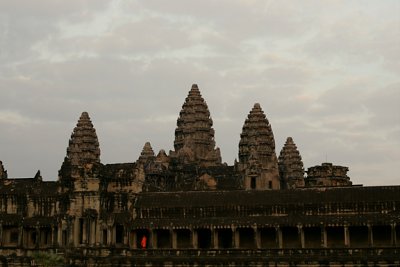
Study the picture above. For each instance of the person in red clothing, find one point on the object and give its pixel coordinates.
(143, 242)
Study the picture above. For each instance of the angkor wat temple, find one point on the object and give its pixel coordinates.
(188, 208)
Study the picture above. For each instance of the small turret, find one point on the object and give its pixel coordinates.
(257, 157)
(38, 177)
(146, 154)
(291, 169)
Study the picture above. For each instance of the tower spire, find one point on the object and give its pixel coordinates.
(83, 146)
(257, 158)
(291, 169)
(146, 154)
(194, 135)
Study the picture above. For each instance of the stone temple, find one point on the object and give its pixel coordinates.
(188, 208)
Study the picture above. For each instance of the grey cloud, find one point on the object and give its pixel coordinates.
(324, 73)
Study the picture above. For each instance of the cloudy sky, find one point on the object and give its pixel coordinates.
(325, 73)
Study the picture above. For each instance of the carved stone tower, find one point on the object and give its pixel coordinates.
(257, 158)
(146, 154)
(194, 135)
(290, 164)
(83, 155)
(3, 172)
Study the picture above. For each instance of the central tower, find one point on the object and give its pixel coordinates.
(194, 135)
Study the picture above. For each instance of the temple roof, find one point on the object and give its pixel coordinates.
(83, 146)
(256, 139)
(194, 135)
(267, 198)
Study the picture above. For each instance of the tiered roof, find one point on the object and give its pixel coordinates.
(147, 153)
(256, 140)
(291, 165)
(83, 146)
(194, 135)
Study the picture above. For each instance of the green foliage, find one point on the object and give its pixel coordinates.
(47, 259)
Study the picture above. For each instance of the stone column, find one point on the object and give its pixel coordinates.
(37, 231)
(346, 236)
(20, 236)
(153, 238)
(214, 233)
(370, 236)
(174, 238)
(279, 238)
(393, 238)
(235, 237)
(53, 236)
(85, 229)
(324, 237)
(257, 237)
(126, 236)
(195, 238)
(1, 234)
(76, 232)
(110, 235)
(59, 235)
(94, 231)
(301, 236)
(133, 240)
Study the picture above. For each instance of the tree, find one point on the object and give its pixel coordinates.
(47, 259)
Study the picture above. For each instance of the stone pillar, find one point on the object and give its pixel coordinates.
(257, 237)
(346, 236)
(1, 234)
(37, 230)
(20, 236)
(393, 238)
(76, 232)
(370, 236)
(279, 238)
(174, 240)
(214, 233)
(59, 234)
(53, 236)
(153, 238)
(324, 237)
(133, 240)
(301, 236)
(235, 237)
(93, 232)
(84, 231)
(113, 234)
(195, 238)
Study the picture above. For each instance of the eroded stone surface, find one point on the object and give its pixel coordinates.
(192, 209)
(147, 153)
(328, 174)
(83, 146)
(257, 157)
(291, 168)
(194, 134)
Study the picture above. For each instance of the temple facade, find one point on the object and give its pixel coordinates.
(188, 208)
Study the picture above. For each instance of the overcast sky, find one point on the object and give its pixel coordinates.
(324, 72)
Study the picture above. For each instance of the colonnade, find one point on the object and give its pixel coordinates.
(82, 232)
(256, 237)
